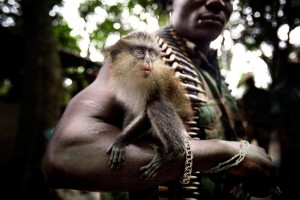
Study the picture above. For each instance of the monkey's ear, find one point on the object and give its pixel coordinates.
(106, 50)
(112, 51)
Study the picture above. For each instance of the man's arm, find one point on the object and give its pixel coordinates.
(77, 152)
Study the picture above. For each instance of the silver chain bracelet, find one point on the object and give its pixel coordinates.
(235, 160)
(188, 163)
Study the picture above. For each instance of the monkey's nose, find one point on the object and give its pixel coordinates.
(148, 61)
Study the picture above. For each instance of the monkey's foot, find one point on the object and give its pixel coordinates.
(117, 155)
(151, 170)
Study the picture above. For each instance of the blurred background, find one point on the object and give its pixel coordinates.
(50, 50)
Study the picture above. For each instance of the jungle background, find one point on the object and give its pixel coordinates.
(43, 65)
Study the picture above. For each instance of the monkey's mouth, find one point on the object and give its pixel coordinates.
(145, 70)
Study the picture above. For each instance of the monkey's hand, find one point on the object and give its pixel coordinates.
(117, 154)
(151, 170)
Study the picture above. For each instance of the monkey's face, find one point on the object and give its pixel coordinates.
(135, 56)
(145, 58)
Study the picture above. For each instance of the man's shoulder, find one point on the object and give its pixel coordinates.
(162, 31)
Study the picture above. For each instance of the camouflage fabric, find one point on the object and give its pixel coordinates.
(217, 116)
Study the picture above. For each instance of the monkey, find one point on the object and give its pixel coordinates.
(152, 95)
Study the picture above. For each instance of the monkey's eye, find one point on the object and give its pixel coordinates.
(152, 55)
(139, 51)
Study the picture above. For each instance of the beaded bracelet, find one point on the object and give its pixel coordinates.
(235, 160)
(188, 163)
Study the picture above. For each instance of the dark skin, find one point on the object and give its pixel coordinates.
(214, 15)
(77, 153)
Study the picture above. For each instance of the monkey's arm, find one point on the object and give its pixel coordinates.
(132, 131)
(76, 155)
(170, 131)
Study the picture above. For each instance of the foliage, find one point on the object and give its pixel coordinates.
(262, 20)
(115, 20)
(11, 18)
(62, 34)
(10, 13)
(79, 78)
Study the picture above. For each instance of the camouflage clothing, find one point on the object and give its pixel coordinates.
(217, 117)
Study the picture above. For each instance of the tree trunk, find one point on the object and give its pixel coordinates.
(41, 99)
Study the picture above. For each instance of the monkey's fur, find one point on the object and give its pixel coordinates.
(150, 92)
